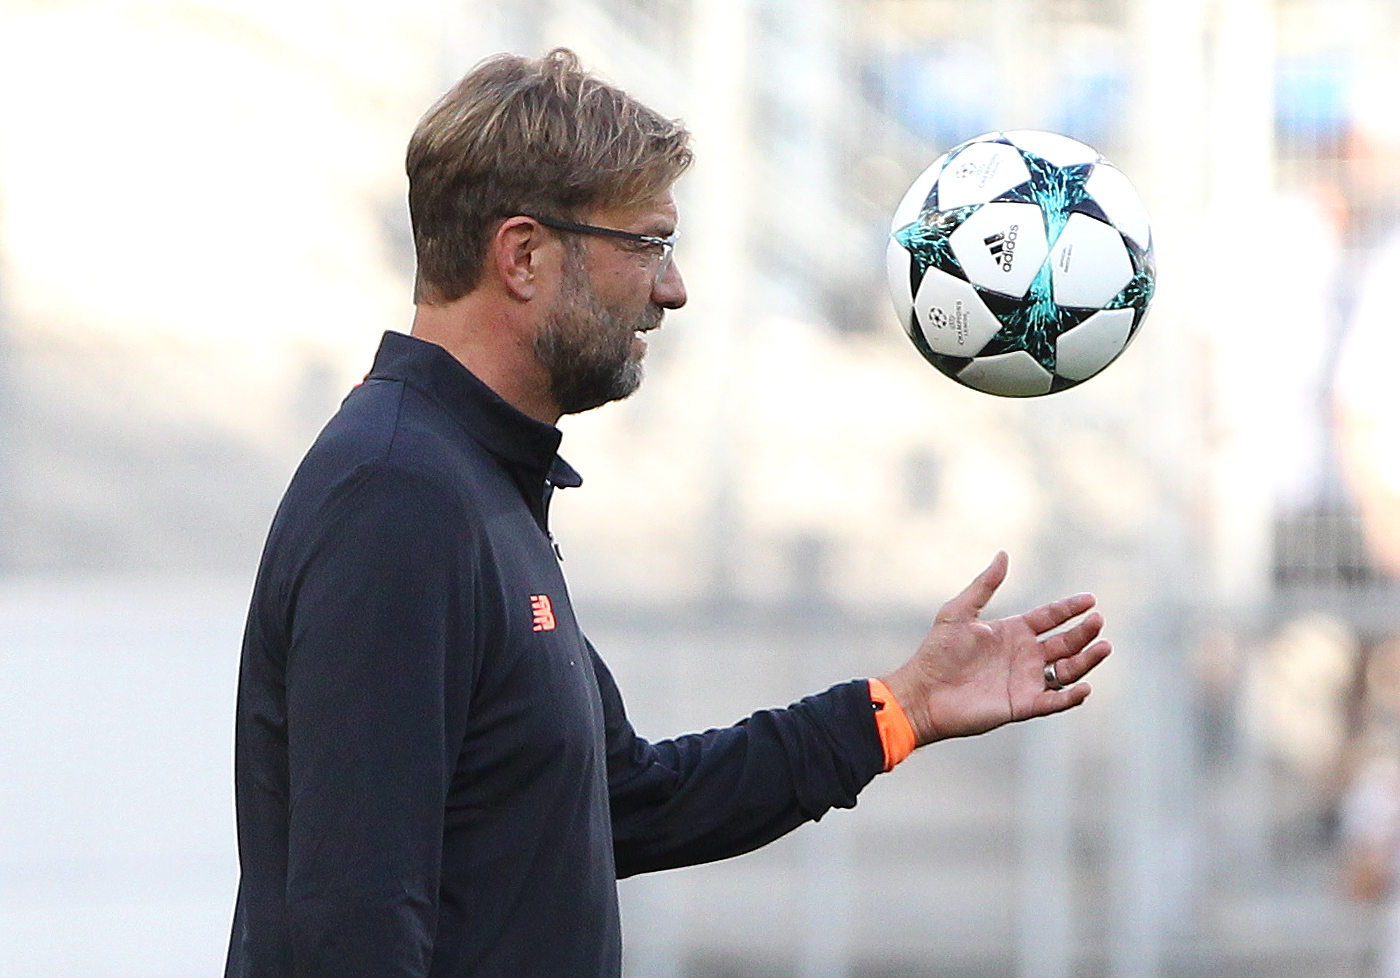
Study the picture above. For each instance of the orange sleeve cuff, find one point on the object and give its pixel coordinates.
(896, 732)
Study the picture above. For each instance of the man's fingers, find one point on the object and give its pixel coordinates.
(973, 598)
(1070, 669)
(1056, 613)
(1057, 701)
(1071, 640)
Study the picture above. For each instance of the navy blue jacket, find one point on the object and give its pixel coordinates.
(434, 772)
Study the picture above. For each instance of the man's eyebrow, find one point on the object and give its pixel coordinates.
(661, 224)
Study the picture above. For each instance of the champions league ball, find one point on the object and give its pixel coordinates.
(1021, 263)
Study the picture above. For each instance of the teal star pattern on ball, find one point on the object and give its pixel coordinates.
(1033, 324)
(1036, 323)
(926, 240)
(1057, 189)
(1138, 292)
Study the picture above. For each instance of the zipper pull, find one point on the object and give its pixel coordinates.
(558, 554)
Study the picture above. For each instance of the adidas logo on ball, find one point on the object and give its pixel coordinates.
(1002, 245)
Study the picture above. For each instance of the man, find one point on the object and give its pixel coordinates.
(435, 773)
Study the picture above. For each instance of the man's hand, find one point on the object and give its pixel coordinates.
(970, 676)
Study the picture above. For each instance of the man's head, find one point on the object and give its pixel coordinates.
(525, 136)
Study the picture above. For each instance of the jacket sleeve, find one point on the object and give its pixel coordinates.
(716, 794)
(372, 709)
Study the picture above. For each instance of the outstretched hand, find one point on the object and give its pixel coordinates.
(970, 676)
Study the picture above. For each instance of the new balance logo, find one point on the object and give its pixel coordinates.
(1002, 246)
(543, 611)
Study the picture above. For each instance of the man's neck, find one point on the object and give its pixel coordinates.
(494, 345)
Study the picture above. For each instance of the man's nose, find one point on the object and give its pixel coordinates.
(668, 291)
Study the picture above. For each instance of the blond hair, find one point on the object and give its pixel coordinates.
(526, 136)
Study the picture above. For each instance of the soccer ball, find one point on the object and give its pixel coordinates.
(1021, 263)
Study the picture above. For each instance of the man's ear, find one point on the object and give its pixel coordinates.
(515, 251)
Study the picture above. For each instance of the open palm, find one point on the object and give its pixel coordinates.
(970, 676)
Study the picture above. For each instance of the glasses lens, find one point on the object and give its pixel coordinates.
(664, 265)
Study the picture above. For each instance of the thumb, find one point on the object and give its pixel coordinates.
(968, 604)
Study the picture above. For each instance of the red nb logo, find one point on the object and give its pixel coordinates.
(543, 612)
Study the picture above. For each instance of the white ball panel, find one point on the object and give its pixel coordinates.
(913, 201)
(1001, 247)
(978, 172)
(1086, 349)
(1120, 202)
(1009, 374)
(1089, 263)
(1052, 147)
(953, 318)
(897, 260)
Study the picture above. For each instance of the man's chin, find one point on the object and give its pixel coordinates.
(577, 398)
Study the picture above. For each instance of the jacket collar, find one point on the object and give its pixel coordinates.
(486, 417)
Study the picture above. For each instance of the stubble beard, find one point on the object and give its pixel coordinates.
(587, 349)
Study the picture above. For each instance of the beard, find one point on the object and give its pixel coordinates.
(587, 349)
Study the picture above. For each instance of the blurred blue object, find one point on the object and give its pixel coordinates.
(1089, 101)
(952, 93)
(943, 95)
(1311, 100)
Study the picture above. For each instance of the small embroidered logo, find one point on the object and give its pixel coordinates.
(543, 611)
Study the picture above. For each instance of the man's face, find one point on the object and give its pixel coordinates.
(611, 292)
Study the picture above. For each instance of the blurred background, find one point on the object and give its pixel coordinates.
(203, 234)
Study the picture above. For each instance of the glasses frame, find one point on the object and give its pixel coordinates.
(667, 245)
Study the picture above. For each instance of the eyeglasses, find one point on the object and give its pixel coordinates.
(662, 247)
